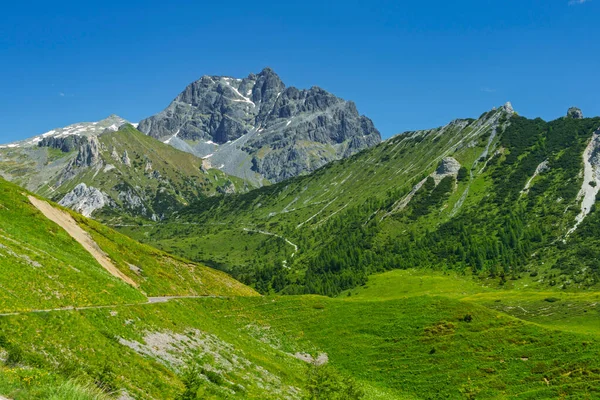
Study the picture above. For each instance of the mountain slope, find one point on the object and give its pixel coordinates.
(496, 195)
(257, 129)
(417, 334)
(111, 172)
(38, 273)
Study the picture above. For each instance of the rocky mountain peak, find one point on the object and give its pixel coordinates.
(258, 128)
(574, 113)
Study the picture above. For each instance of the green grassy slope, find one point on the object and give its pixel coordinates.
(404, 335)
(160, 176)
(301, 207)
(43, 267)
(410, 347)
(569, 311)
(378, 210)
(158, 181)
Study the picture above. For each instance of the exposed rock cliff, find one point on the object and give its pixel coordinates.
(257, 128)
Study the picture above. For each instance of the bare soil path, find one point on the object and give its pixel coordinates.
(151, 300)
(65, 221)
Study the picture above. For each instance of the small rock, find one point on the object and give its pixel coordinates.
(574, 113)
(126, 159)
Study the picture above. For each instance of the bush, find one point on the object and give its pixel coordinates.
(551, 299)
(325, 383)
(106, 379)
(15, 355)
(462, 174)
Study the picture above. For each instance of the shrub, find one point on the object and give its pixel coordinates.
(15, 355)
(325, 383)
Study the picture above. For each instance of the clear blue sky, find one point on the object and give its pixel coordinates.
(407, 64)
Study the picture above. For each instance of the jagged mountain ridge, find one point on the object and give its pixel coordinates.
(110, 167)
(257, 128)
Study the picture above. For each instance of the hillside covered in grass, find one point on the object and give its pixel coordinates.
(409, 335)
(117, 175)
(43, 267)
(70, 328)
(501, 196)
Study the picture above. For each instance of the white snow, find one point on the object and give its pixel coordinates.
(288, 123)
(222, 166)
(113, 127)
(208, 156)
(245, 99)
(211, 142)
(591, 173)
(249, 92)
(49, 133)
(172, 137)
(135, 124)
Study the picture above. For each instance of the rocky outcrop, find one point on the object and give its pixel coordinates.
(89, 153)
(85, 200)
(507, 107)
(227, 188)
(448, 167)
(574, 113)
(591, 179)
(65, 144)
(132, 201)
(283, 131)
(126, 160)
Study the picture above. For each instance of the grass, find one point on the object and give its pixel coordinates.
(405, 335)
(44, 268)
(573, 312)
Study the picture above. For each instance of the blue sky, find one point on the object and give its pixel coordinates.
(407, 65)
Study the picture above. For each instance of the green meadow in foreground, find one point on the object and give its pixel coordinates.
(404, 335)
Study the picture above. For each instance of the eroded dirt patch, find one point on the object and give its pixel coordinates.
(67, 222)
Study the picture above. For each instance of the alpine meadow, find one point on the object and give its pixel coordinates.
(255, 239)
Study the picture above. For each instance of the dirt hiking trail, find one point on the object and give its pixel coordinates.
(65, 221)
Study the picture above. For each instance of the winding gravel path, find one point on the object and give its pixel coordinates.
(151, 300)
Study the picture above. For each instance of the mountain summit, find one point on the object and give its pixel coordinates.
(256, 128)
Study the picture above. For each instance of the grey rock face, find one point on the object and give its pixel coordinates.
(65, 144)
(283, 131)
(85, 200)
(126, 159)
(574, 113)
(89, 153)
(508, 108)
(448, 166)
(131, 200)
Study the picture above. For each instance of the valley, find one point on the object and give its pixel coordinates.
(455, 262)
